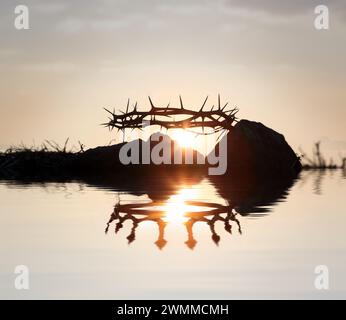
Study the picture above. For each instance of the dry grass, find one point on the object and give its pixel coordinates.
(49, 154)
(318, 160)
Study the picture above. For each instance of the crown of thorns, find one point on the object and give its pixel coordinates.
(217, 118)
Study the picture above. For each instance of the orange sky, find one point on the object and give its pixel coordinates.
(268, 60)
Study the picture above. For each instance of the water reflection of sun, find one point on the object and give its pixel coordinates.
(176, 208)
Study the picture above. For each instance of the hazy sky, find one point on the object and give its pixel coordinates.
(265, 57)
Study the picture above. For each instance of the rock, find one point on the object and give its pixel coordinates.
(251, 148)
(254, 148)
(107, 158)
(99, 159)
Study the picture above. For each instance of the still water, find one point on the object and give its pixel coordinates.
(186, 239)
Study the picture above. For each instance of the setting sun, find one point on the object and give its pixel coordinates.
(185, 138)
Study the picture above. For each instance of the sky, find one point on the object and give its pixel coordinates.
(264, 57)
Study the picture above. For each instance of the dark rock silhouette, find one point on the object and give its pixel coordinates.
(245, 196)
(253, 147)
(107, 158)
(101, 162)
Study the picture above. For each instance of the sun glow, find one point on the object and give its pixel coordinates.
(176, 208)
(185, 138)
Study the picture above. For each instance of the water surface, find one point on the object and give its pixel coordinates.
(256, 244)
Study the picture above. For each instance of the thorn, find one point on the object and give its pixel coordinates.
(218, 100)
(151, 103)
(205, 101)
(128, 103)
(235, 112)
(108, 111)
(181, 102)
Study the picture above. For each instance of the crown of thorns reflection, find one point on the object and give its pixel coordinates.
(137, 213)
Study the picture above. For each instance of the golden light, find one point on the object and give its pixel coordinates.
(176, 208)
(185, 138)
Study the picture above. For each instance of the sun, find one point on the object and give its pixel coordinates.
(185, 138)
(176, 208)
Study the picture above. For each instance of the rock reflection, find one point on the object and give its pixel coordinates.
(239, 196)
